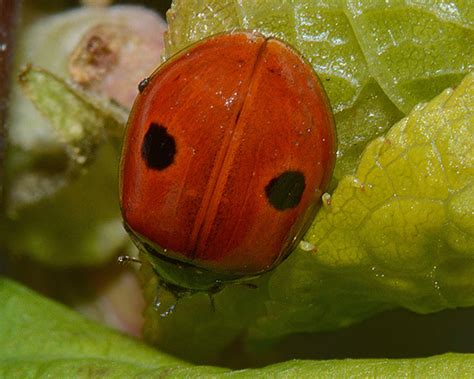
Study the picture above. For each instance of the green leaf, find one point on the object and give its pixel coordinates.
(410, 243)
(373, 58)
(398, 233)
(414, 50)
(39, 338)
(81, 122)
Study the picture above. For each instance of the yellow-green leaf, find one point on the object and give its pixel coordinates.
(42, 339)
(376, 59)
(398, 233)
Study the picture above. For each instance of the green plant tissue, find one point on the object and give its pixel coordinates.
(375, 59)
(398, 229)
(61, 168)
(397, 233)
(42, 339)
(58, 212)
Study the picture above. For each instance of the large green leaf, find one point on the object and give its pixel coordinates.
(399, 232)
(41, 339)
(414, 50)
(396, 233)
(355, 271)
(373, 57)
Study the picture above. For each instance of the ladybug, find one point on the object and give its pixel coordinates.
(229, 146)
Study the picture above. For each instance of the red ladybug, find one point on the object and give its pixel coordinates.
(229, 147)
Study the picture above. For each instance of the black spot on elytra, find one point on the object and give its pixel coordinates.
(285, 191)
(143, 84)
(158, 147)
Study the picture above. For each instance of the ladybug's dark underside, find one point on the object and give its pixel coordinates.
(229, 147)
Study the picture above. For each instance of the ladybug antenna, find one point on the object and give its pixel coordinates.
(125, 259)
(212, 303)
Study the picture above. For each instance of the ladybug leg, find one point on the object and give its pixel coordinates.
(165, 301)
(218, 287)
(249, 285)
(168, 296)
(125, 259)
(212, 303)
